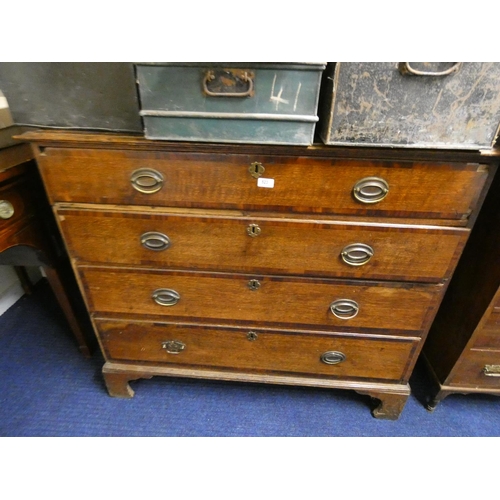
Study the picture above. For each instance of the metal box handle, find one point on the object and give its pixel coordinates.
(223, 83)
(406, 69)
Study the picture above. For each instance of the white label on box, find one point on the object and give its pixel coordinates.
(265, 183)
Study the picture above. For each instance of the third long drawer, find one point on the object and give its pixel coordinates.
(250, 299)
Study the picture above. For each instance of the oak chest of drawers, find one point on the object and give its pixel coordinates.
(312, 266)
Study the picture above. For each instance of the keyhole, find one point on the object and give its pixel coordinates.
(253, 230)
(252, 336)
(254, 284)
(256, 169)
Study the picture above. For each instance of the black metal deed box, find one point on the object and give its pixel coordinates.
(425, 105)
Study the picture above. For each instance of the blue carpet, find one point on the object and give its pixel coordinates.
(49, 389)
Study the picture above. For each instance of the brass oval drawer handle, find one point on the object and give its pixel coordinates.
(357, 254)
(370, 190)
(153, 240)
(6, 209)
(146, 180)
(173, 346)
(344, 308)
(333, 357)
(165, 297)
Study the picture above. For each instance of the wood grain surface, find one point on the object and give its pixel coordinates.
(297, 302)
(271, 351)
(301, 184)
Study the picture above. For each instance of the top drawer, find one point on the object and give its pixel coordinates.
(293, 184)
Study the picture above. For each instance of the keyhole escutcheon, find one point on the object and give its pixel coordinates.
(254, 284)
(253, 230)
(256, 169)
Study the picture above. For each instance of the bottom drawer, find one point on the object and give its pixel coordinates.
(489, 336)
(479, 369)
(258, 350)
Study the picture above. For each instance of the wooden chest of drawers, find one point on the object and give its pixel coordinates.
(463, 348)
(312, 266)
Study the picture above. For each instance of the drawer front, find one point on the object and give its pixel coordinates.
(493, 321)
(14, 204)
(259, 350)
(496, 302)
(478, 368)
(244, 244)
(301, 184)
(249, 299)
(489, 336)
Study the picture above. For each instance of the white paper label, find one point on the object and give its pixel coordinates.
(265, 183)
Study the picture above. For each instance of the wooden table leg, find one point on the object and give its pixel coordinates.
(61, 297)
(24, 278)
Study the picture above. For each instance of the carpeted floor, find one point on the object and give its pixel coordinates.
(47, 388)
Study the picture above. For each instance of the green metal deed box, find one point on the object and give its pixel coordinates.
(262, 103)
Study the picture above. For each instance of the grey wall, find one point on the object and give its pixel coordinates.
(72, 95)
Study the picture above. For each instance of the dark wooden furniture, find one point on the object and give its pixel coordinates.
(27, 238)
(192, 265)
(463, 348)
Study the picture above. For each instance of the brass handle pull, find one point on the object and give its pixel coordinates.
(6, 209)
(165, 297)
(333, 357)
(492, 370)
(173, 346)
(228, 83)
(146, 180)
(357, 254)
(405, 69)
(344, 308)
(370, 190)
(155, 241)
(253, 230)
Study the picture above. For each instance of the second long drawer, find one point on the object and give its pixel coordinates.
(251, 299)
(239, 243)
